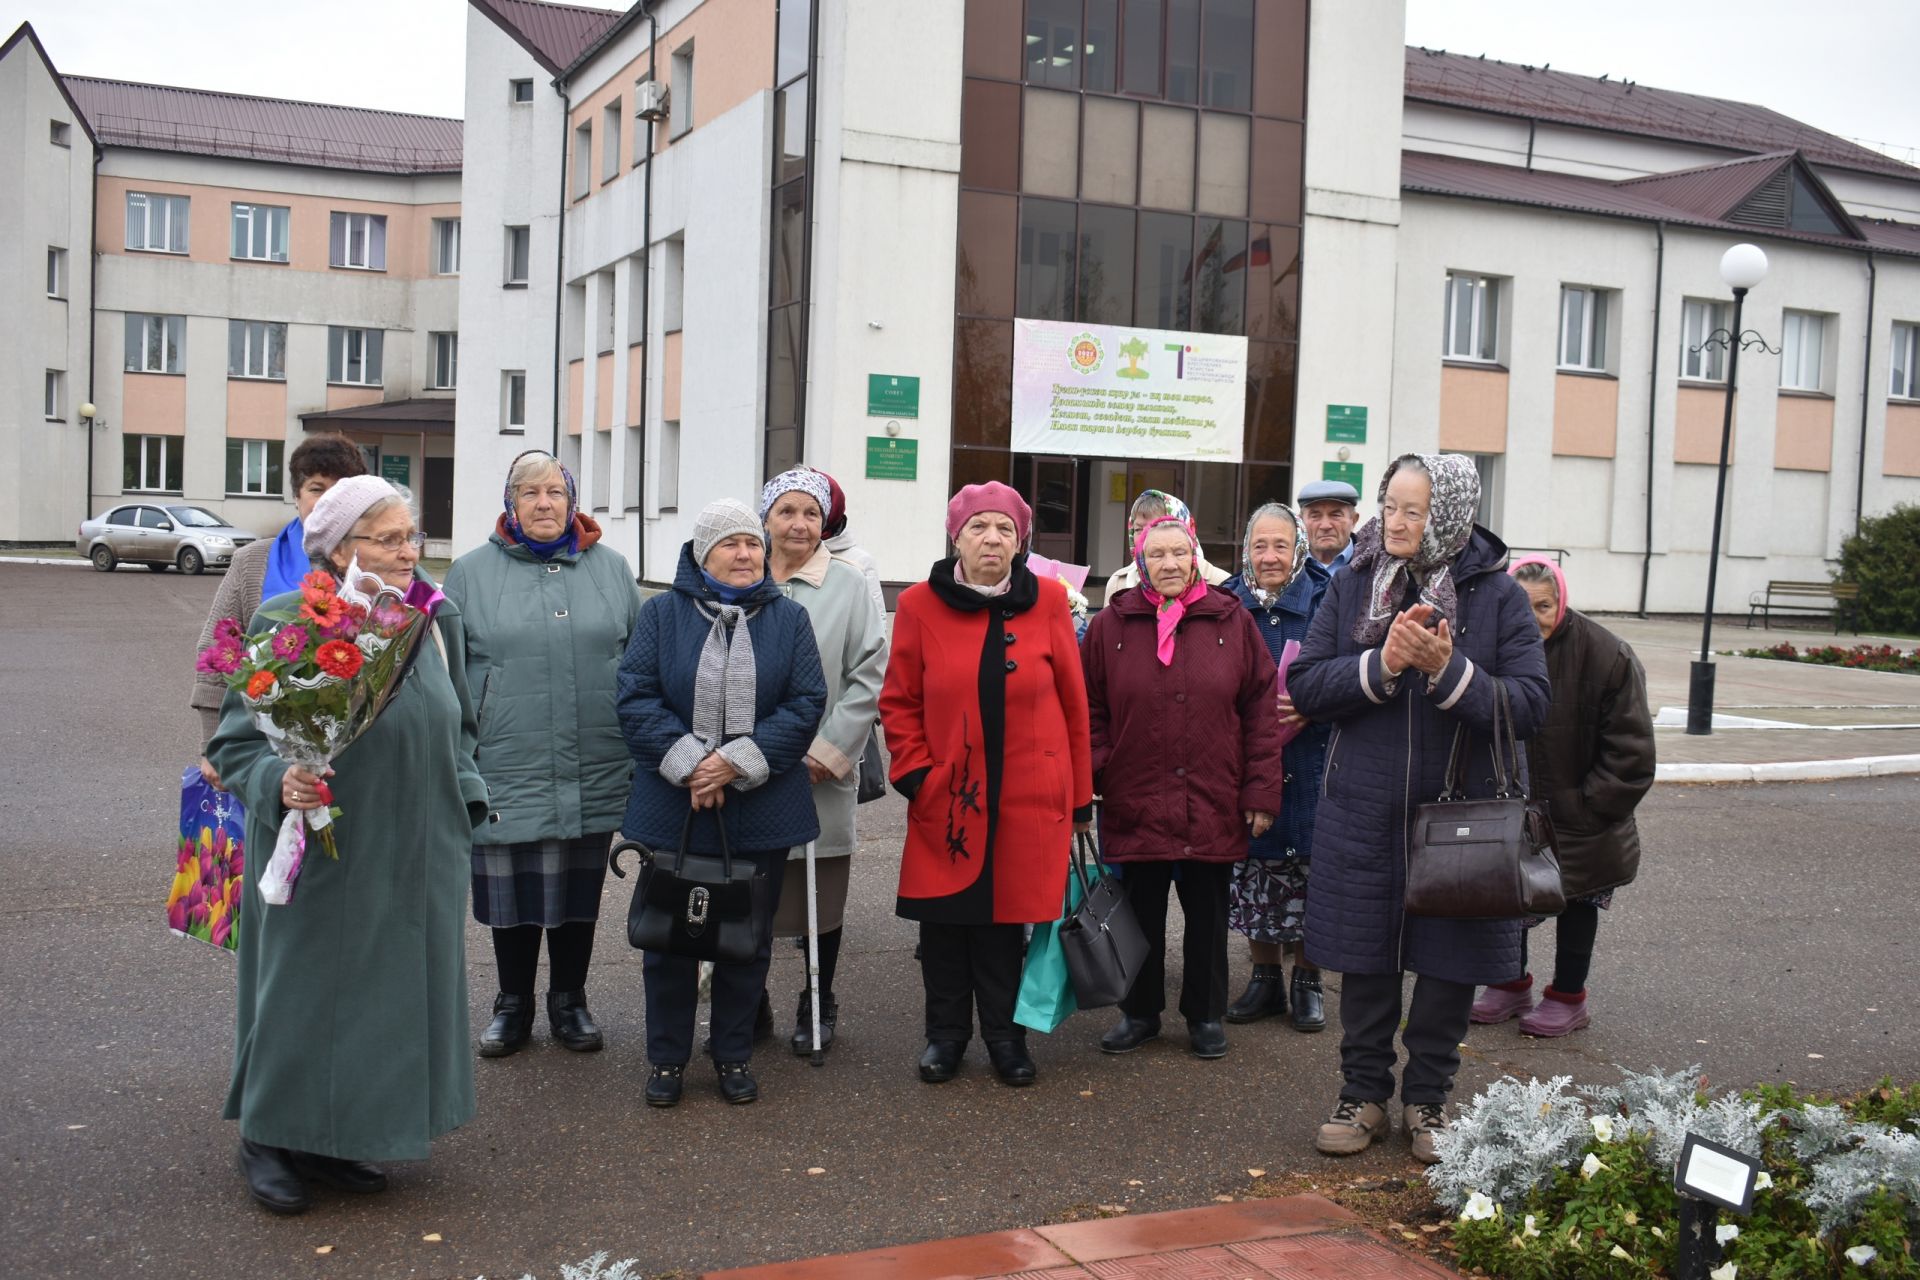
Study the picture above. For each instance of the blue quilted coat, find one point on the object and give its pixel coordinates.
(1305, 758)
(1389, 753)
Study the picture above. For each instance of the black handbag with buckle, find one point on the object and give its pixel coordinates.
(1488, 859)
(699, 905)
(1100, 938)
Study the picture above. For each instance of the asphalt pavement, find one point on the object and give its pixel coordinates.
(1770, 936)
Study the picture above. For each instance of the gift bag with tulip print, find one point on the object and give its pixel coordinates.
(204, 902)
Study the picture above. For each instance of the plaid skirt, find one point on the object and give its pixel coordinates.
(542, 882)
(1269, 899)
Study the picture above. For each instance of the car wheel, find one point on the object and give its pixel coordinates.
(157, 568)
(190, 561)
(103, 558)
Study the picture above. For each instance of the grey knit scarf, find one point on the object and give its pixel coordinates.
(724, 685)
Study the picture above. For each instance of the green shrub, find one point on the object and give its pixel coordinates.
(1882, 559)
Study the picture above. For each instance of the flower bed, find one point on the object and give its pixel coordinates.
(1559, 1184)
(1861, 657)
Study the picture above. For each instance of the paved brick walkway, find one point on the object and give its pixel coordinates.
(1295, 1238)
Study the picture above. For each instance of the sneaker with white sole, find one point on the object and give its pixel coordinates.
(1351, 1128)
(1419, 1121)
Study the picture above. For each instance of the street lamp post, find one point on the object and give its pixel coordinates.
(1742, 267)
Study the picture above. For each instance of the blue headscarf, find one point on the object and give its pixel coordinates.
(569, 541)
(287, 562)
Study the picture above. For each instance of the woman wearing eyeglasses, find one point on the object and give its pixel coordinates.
(351, 1040)
(549, 611)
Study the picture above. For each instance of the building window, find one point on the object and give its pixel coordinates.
(260, 232)
(680, 92)
(56, 273)
(519, 249)
(256, 349)
(56, 397)
(446, 246)
(1802, 351)
(1488, 466)
(253, 468)
(1472, 318)
(673, 284)
(519, 91)
(667, 468)
(156, 224)
(59, 133)
(1699, 320)
(446, 360)
(610, 141)
(156, 344)
(353, 356)
(1583, 329)
(582, 161)
(151, 464)
(358, 240)
(513, 400)
(1904, 357)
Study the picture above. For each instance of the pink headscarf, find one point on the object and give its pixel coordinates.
(1171, 610)
(1559, 583)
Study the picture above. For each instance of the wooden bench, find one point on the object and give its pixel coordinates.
(1816, 599)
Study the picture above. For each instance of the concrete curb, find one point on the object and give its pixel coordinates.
(1790, 770)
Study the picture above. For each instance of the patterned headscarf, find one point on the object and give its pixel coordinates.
(1262, 512)
(799, 480)
(1450, 511)
(568, 541)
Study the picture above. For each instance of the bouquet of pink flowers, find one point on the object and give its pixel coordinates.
(318, 679)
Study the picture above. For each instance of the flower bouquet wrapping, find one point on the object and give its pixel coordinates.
(315, 681)
(204, 902)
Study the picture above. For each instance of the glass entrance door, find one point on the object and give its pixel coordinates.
(1052, 486)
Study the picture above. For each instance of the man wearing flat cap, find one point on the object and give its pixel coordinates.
(1329, 509)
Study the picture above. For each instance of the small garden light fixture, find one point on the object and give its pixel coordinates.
(1709, 1177)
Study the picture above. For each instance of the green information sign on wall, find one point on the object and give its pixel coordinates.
(1346, 424)
(889, 458)
(892, 396)
(1347, 471)
(396, 468)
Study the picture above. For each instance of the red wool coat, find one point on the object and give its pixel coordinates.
(985, 711)
(1180, 752)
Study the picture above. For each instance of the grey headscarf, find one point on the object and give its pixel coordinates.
(1262, 512)
(1450, 512)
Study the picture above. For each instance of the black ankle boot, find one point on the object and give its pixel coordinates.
(664, 1083)
(570, 1022)
(1011, 1062)
(802, 1041)
(1309, 1003)
(272, 1178)
(1265, 996)
(511, 1028)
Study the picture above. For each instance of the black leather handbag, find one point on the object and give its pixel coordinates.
(1486, 859)
(1100, 938)
(872, 772)
(698, 905)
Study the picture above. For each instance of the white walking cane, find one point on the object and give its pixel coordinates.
(813, 958)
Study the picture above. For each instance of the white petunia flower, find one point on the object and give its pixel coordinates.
(1726, 1271)
(1762, 1180)
(1603, 1128)
(1479, 1208)
(1590, 1166)
(1861, 1254)
(1725, 1232)
(1618, 1252)
(1529, 1229)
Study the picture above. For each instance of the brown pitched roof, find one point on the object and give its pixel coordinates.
(1639, 199)
(157, 117)
(1562, 97)
(555, 34)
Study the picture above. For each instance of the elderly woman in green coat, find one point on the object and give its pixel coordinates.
(351, 1037)
(548, 611)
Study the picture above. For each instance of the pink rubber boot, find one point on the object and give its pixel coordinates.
(1508, 1000)
(1558, 1015)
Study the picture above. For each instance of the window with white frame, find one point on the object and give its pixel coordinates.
(1488, 466)
(519, 250)
(156, 224)
(1583, 328)
(353, 355)
(156, 344)
(260, 232)
(256, 349)
(1905, 359)
(56, 273)
(446, 360)
(358, 240)
(446, 246)
(56, 401)
(582, 161)
(151, 464)
(1472, 318)
(254, 468)
(519, 92)
(1802, 351)
(610, 141)
(59, 133)
(1699, 321)
(680, 92)
(667, 466)
(513, 400)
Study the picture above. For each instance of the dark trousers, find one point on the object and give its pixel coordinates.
(673, 989)
(1573, 935)
(1204, 888)
(1370, 1006)
(967, 967)
(516, 952)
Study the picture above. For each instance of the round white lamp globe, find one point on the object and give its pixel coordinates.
(1743, 266)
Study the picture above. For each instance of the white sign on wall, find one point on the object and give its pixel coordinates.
(1109, 391)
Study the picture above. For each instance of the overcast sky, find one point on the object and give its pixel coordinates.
(1843, 67)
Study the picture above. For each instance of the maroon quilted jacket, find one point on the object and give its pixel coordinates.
(1181, 751)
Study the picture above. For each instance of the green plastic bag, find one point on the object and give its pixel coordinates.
(1046, 988)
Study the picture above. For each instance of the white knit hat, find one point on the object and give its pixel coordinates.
(339, 509)
(721, 520)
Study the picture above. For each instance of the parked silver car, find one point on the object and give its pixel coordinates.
(160, 534)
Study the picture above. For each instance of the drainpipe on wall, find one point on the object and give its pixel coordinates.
(646, 312)
(1866, 399)
(1653, 401)
(93, 275)
(559, 259)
